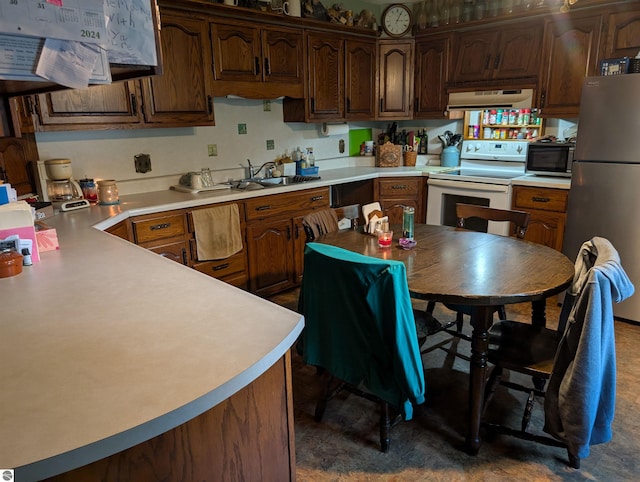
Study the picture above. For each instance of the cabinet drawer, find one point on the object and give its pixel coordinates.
(544, 199)
(160, 227)
(222, 267)
(268, 206)
(398, 187)
(174, 251)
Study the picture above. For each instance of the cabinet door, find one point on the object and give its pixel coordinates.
(182, 95)
(623, 34)
(22, 115)
(270, 250)
(431, 76)
(396, 81)
(325, 77)
(236, 50)
(283, 56)
(546, 228)
(518, 51)
(174, 251)
(360, 79)
(474, 52)
(570, 53)
(17, 158)
(96, 107)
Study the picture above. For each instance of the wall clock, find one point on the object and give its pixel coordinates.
(397, 20)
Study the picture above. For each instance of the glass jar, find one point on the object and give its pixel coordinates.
(89, 190)
(408, 215)
(108, 192)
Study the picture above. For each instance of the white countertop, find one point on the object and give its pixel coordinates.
(106, 344)
(553, 182)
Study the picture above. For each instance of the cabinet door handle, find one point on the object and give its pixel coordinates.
(543, 98)
(267, 67)
(537, 199)
(381, 103)
(155, 227)
(220, 266)
(348, 104)
(28, 102)
(313, 104)
(497, 61)
(184, 256)
(486, 62)
(317, 198)
(297, 232)
(134, 104)
(257, 62)
(263, 208)
(288, 233)
(210, 104)
(400, 186)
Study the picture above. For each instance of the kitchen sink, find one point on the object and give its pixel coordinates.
(259, 183)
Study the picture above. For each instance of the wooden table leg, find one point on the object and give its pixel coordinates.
(481, 320)
(538, 313)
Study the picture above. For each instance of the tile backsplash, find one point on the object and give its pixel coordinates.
(110, 154)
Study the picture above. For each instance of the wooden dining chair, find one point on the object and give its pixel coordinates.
(360, 331)
(318, 223)
(576, 361)
(519, 221)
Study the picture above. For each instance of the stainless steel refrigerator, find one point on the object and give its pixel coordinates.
(605, 178)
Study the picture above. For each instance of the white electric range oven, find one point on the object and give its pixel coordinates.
(483, 178)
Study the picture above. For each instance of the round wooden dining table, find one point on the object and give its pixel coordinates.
(481, 270)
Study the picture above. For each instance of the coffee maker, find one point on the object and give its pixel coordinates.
(63, 191)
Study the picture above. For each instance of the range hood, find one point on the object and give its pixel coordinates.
(515, 98)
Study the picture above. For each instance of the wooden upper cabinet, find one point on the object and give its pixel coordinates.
(325, 77)
(622, 34)
(360, 79)
(570, 53)
(395, 71)
(507, 53)
(257, 62)
(431, 76)
(98, 106)
(17, 161)
(182, 95)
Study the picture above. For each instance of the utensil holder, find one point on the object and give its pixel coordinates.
(410, 158)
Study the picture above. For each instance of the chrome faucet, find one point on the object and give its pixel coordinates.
(254, 173)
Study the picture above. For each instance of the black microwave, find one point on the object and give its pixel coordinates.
(550, 158)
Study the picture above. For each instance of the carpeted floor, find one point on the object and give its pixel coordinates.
(344, 446)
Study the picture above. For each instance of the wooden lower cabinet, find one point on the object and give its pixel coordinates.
(394, 193)
(163, 233)
(232, 270)
(249, 436)
(548, 208)
(275, 238)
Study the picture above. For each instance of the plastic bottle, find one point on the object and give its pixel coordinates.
(311, 160)
(408, 214)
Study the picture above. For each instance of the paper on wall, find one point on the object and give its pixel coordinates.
(79, 20)
(19, 60)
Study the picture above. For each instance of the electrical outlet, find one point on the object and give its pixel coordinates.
(266, 105)
(271, 145)
(242, 128)
(213, 149)
(142, 163)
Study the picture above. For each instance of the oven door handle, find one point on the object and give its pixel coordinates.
(472, 186)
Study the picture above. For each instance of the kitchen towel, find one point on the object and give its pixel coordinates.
(217, 232)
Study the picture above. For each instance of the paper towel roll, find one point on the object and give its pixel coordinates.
(335, 129)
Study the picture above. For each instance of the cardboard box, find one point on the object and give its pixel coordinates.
(17, 219)
(46, 237)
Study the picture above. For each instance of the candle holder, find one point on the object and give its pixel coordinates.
(385, 238)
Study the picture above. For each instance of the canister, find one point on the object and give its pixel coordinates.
(450, 156)
(408, 215)
(89, 190)
(108, 192)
